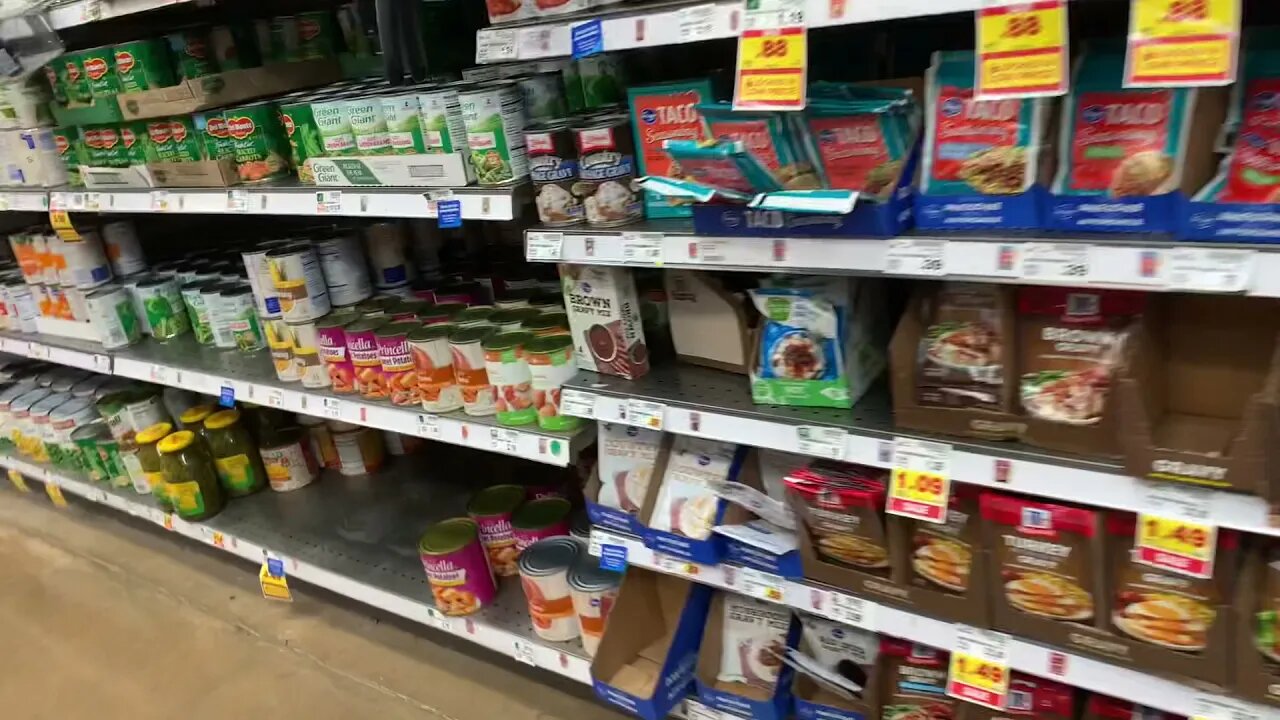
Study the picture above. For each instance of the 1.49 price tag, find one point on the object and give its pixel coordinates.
(920, 482)
(1183, 546)
(979, 670)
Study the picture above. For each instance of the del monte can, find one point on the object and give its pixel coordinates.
(99, 68)
(143, 65)
(261, 151)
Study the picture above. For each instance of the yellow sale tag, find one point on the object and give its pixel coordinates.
(1173, 544)
(1022, 50)
(771, 69)
(1182, 43)
(61, 223)
(978, 680)
(920, 482)
(55, 494)
(274, 587)
(18, 481)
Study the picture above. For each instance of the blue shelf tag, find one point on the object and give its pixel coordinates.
(613, 557)
(275, 567)
(228, 397)
(588, 39)
(449, 213)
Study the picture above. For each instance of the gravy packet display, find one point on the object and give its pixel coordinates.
(687, 503)
(660, 113)
(1117, 142)
(841, 507)
(988, 147)
(960, 361)
(754, 642)
(915, 682)
(942, 553)
(1031, 697)
(1042, 553)
(1070, 344)
(626, 458)
(1158, 606)
(836, 654)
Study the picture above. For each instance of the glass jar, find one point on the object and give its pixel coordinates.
(235, 454)
(151, 478)
(192, 482)
(193, 418)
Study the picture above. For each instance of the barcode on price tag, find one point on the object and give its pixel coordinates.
(495, 45)
(328, 202)
(428, 426)
(1210, 270)
(504, 441)
(645, 414)
(543, 246)
(827, 442)
(577, 403)
(642, 248)
(925, 258)
(275, 397)
(1056, 262)
(332, 408)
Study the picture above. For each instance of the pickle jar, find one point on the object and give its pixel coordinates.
(148, 461)
(235, 454)
(193, 418)
(193, 483)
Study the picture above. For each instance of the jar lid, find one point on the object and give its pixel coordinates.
(195, 414)
(175, 442)
(431, 332)
(549, 556)
(496, 500)
(541, 513)
(548, 344)
(586, 575)
(367, 324)
(154, 433)
(397, 328)
(448, 536)
(472, 334)
(546, 321)
(222, 419)
(507, 340)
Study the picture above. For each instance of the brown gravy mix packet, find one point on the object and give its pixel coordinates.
(960, 361)
(1030, 697)
(842, 508)
(1159, 606)
(1042, 553)
(942, 553)
(915, 682)
(1070, 343)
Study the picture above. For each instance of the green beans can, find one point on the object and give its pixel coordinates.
(215, 141)
(86, 439)
(100, 68)
(317, 35)
(441, 118)
(305, 141)
(198, 311)
(143, 65)
(258, 141)
(404, 124)
(162, 300)
(70, 69)
(103, 146)
(369, 125)
(111, 314)
(192, 55)
(137, 142)
(333, 122)
(494, 117)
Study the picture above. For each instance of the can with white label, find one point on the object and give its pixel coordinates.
(22, 307)
(111, 313)
(388, 256)
(306, 355)
(346, 274)
(86, 261)
(131, 285)
(280, 340)
(264, 290)
(237, 314)
(124, 251)
(298, 282)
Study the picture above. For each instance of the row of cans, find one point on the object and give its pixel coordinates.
(110, 250)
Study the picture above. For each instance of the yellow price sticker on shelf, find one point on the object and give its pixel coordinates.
(1186, 43)
(772, 67)
(275, 585)
(61, 222)
(920, 482)
(1022, 50)
(55, 494)
(18, 481)
(1182, 546)
(979, 670)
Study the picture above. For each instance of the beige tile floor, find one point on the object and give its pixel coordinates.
(102, 618)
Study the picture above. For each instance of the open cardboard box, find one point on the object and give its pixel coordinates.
(645, 663)
(709, 324)
(421, 170)
(611, 518)
(1098, 637)
(814, 702)
(741, 699)
(228, 88)
(1256, 677)
(1199, 393)
(894, 586)
(712, 549)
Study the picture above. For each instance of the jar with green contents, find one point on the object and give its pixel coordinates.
(235, 454)
(190, 476)
(147, 455)
(193, 418)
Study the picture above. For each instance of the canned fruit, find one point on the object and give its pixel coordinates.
(305, 141)
(298, 282)
(191, 53)
(509, 375)
(143, 65)
(258, 142)
(280, 341)
(306, 355)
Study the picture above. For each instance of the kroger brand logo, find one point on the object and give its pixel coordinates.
(1094, 114)
(837, 633)
(586, 287)
(952, 107)
(704, 460)
(649, 116)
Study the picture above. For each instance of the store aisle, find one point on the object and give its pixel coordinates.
(103, 619)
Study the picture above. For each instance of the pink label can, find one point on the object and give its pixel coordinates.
(399, 374)
(457, 570)
(333, 351)
(491, 509)
(362, 351)
(539, 519)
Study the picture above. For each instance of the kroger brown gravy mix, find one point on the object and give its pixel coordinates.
(960, 361)
(604, 320)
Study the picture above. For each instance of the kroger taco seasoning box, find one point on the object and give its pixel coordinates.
(659, 113)
(1117, 142)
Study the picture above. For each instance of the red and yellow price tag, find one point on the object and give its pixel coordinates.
(55, 494)
(1173, 544)
(61, 223)
(1022, 50)
(1182, 43)
(772, 69)
(920, 482)
(979, 671)
(18, 481)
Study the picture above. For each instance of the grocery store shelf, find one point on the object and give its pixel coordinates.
(355, 539)
(81, 12)
(1137, 262)
(477, 203)
(1029, 657)
(673, 23)
(184, 364)
(712, 404)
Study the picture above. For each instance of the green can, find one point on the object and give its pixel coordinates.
(441, 120)
(192, 56)
(333, 122)
(198, 311)
(71, 151)
(100, 70)
(317, 35)
(305, 141)
(137, 142)
(86, 439)
(174, 139)
(284, 39)
(103, 146)
(56, 84)
(70, 69)
(261, 150)
(222, 43)
(404, 124)
(247, 47)
(143, 65)
(211, 128)
(369, 125)
(162, 302)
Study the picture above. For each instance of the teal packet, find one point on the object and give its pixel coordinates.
(857, 145)
(768, 136)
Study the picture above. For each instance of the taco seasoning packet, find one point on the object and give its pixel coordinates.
(1117, 142)
(660, 113)
(987, 147)
(1043, 555)
(768, 137)
(1159, 606)
(754, 643)
(960, 361)
(857, 145)
(942, 553)
(626, 459)
(1255, 90)
(1070, 343)
(1251, 173)
(841, 506)
(687, 503)
(711, 168)
(915, 682)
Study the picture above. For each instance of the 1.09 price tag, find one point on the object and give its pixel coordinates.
(1183, 546)
(920, 482)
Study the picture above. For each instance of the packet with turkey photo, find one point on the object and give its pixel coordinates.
(687, 507)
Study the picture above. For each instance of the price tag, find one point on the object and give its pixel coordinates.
(759, 584)
(1022, 49)
(495, 46)
(773, 57)
(227, 395)
(37, 351)
(90, 11)
(923, 258)
(613, 557)
(160, 201)
(93, 201)
(61, 223)
(1056, 262)
(272, 578)
(1210, 270)
(543, 246)
(642, 248)
(522, 650)
(6, 201)
(1174, 543)
(827, 442)
(979, 670)
(159, 374)
(328, 202)
(428, 426)
(55, 494)
(275, 398)
(1216, 707)
(504, 441)
(586, 39)
(1182, 43)
(57, 202)
(600, 538)
(18, 481)
(675, 565)
(920, 482)
(237, 201)
(852, 610)
(332, 408)
(697, 22)
(577, 403)
(439, 620)
(645, 414)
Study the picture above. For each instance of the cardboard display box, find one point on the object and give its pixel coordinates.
(1256, 676)
(712, 549)
(201, 174)
(228, 88)
(815, 702)
(709, 324)
(645, 663)
(425, 170)
(740, 699)
(1199, 393)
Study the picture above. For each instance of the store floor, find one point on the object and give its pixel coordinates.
(103, 618)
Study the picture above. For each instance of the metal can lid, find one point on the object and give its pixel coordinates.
(397, 328)
(586, 575)
(507, 340)
(549, 556)
(548, 344)
(367, 324)
(496, 500)
(431, 332)
(448, 536)
(475, 333)
(540, 513)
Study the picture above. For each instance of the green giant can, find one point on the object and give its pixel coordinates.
(305, 141)
(258, 140)
(192, 54)
(369, 125)
(333, 122)
(143, 65)
(404, 124)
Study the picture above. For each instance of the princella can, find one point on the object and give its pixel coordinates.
(124, 251)
(362, 348)
(306, 355)
(456, 567)
(345, 272)
(433, 361)
(399, 379)
(111, 314)
(332, 336)
(494, 118)
(299, 282)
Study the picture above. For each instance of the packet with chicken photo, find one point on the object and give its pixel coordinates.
(841, 506)
(961, 357)
(942, 553)
(915, 682)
